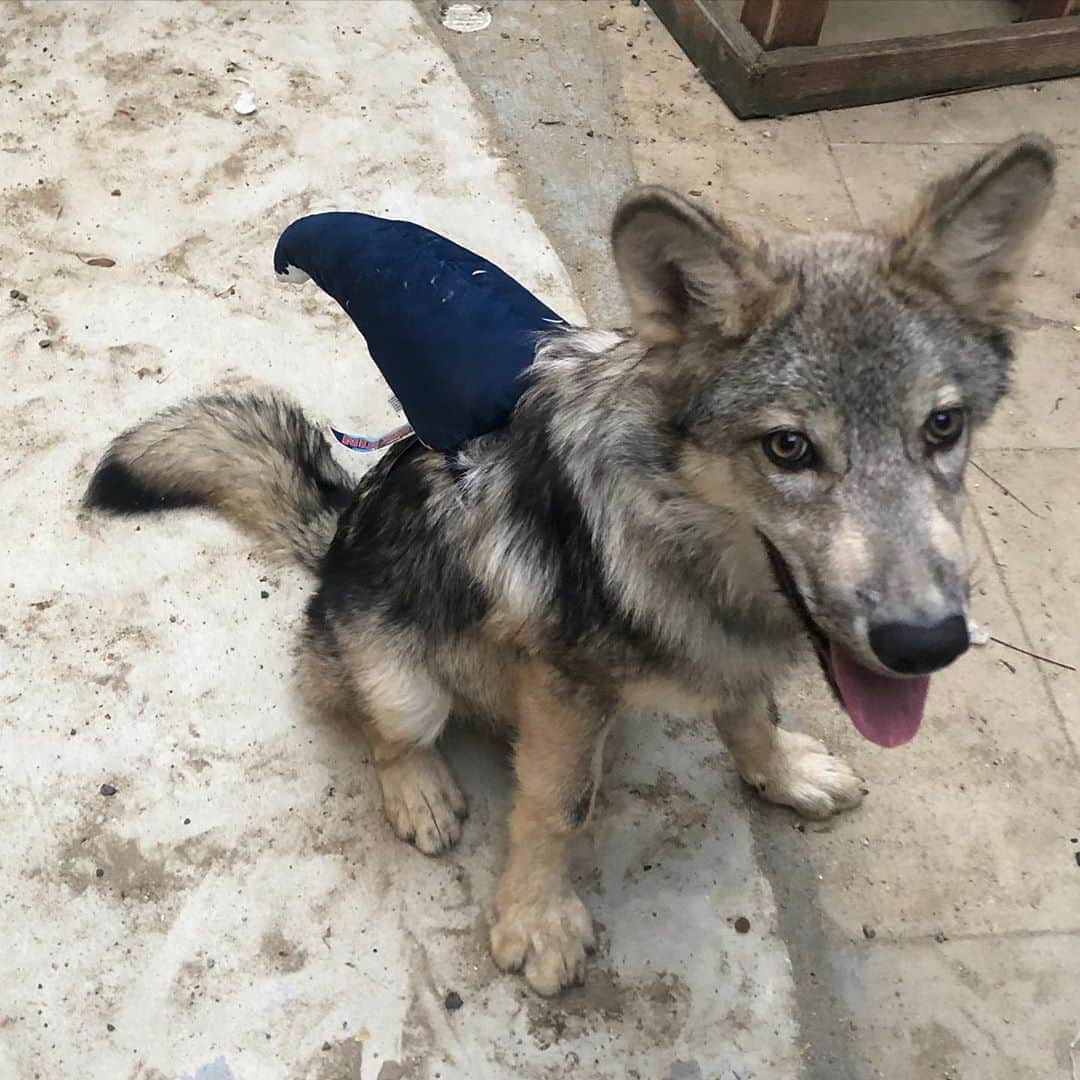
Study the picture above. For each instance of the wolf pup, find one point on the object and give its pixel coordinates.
(776, 448)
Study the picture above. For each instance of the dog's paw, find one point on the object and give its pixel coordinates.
(801, 773)
(548, 937)
(422, 801)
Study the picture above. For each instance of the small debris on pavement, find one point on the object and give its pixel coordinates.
(453, 1001)
(326, 1046)
(96, 260)
(16, 295)
(99, 872)
(941, 937)
(45, 343)
(979, 635)
(742, 925)
(264, 594)
(245, 104)
(106, 790)
(868, 932)
(465, 18)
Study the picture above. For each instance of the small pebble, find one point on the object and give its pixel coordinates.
(742, 925)
(16, 295)
(99, 872)
(115, 191)
(45, 343)
(110, 1027)
(107, 789)
(326, 1046)
(453, 1001)
(264, 594)
(941, 937)
(868, 932)
(187, 821)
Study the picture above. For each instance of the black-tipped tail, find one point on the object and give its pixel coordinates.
(118, 490)
(253, 457)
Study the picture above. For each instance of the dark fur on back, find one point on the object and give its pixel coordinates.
(425, 582)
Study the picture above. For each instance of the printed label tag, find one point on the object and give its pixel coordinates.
(365, 444)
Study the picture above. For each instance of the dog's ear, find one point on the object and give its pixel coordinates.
(970, 232)
(677, 264)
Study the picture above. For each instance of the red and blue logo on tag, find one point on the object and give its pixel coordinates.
(365, 444)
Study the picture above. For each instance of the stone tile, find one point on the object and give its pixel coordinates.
(1040, 558)
(966, 829)
(982, 116)
(1042, 410)
(764, 173)
(884, 179)
(984, 1007)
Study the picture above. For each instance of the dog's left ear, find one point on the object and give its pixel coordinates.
(970, 232)
(678, 265)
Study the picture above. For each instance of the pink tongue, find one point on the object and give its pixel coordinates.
(885, 710)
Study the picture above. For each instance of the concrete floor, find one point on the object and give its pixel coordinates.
(238, 909)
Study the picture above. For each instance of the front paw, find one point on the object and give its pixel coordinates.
(547, 936)
(801, 773)
(422, 802)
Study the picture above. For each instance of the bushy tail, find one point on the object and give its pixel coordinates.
(254, 457)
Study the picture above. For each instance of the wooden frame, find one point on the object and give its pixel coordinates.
(1048, 9)
(776, 23)
(758, 82)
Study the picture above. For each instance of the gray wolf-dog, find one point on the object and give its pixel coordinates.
(776, 448)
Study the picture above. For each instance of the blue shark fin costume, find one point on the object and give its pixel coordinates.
(449, 331)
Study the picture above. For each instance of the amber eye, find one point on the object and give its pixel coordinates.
(788, 449)
(943, 427)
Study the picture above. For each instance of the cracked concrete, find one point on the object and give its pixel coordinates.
(238, 908)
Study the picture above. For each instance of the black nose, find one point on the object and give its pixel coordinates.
(910, 649)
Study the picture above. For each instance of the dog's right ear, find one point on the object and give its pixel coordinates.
(678, 265)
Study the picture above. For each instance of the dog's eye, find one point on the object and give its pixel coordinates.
(788, 449)
(944, 426)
